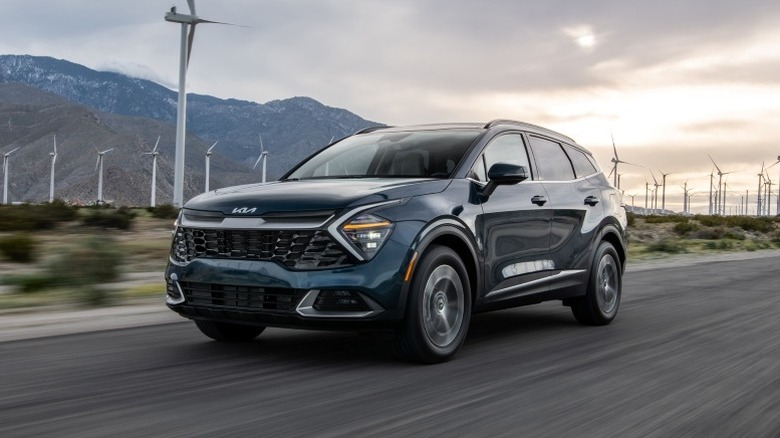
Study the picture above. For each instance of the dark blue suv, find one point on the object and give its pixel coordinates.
(406, 230)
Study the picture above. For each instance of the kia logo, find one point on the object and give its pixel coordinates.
(244, 210)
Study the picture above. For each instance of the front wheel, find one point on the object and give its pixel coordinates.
(600, 304)
(439, 308)
(226, 332)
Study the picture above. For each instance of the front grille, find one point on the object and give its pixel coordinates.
(237, 297)
(297, 249)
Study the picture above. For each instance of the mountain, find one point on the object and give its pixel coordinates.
(291, 128)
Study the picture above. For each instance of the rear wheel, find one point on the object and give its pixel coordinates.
(600, 304)
(226, 332)
(439, 308)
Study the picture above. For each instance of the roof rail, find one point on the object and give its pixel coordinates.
(496, 122)
(371, 129)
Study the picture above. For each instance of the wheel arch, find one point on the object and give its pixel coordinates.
(452, 234)
(612, 235)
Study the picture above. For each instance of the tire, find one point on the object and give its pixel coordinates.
(600, 304)
(226, 332)
(439, 308)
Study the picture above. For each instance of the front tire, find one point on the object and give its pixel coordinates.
(226, 332)
(439, 308)
(600, 304)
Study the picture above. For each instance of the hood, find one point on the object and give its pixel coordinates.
(315, 195)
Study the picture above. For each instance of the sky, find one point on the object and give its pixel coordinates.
(673, 82)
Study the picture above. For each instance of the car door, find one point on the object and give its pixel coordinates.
(514, 227)
(576, 206)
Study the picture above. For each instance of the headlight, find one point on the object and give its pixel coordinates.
(367, 233)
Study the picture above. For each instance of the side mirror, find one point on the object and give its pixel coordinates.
(504, 174)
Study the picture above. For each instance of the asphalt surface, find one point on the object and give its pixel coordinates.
(695, 351)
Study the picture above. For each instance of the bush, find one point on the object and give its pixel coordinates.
(28, 217)
(87, 266)
(19, 247)
(29, 283)
(667, 246)
(721, 245)
(674, 218)
(711, 221)
(683, 228)
(709, 234)
(102, 217)
(631, 217)
(747, 223)
(165, 211)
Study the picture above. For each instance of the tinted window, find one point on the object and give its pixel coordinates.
(508, 148)
(582, 166)
(552, 162)
(426, 154)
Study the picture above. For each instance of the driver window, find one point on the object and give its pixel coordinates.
(508, 148)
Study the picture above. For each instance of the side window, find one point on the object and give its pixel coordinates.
(582, 166)
(508, 148)
(553, 163)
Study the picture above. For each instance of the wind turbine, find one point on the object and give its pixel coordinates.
(263, 156)
(768, 192)
(6, 165)
(188, 23)
(99, 164)
(615, 161)
(759, 206)
(778, 191)
(53, 160)
(719, 205)
(663, 190)
(154, 154)
(208, 164)
(686, 190)
(655, 192)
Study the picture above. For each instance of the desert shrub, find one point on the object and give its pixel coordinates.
(24, 217)
(683, 228)
(709, 234)
(19, 247)
(29, 283)
(86, 266)
(166, 211)
(721, 245)
(775, 238)
(754, 245)
(673, 218)
(121, 218)
(59, 211)
(734, 235)
(711, 221)
(747, 223)
(667, 246)
(631, 217)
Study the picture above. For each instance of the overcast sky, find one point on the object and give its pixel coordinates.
(673, 81)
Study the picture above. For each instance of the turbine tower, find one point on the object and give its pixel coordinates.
(99, 165)
(663, 190)
(719, 206)
(655, 192)
(154, 154)
(53, 160)
(6, 165)
(778, 191)
(263, 156)
(759, 206)
(208, 164)
(188, 23)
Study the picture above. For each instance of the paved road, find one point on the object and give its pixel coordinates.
(695, 351)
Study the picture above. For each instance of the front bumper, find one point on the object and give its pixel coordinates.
(366, 295)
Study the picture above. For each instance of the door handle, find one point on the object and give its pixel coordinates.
(539, 200)
(591, 200)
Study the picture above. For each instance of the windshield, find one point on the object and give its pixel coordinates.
(414, 154)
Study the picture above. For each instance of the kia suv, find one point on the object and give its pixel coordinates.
(405, 230)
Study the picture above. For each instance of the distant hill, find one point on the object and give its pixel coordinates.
(114, 110)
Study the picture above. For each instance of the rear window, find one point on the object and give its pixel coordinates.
(412, 154)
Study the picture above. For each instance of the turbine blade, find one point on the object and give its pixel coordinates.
(262, 149)
(716, 165)
(190, 39)
(97, 163)
(107, 150)
(55, 145)
(12, 151)
(258, 160)
(614, 149)
(212, 146)
(156, 144)
(191, 4)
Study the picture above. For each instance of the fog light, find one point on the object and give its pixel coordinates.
(339, 300)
